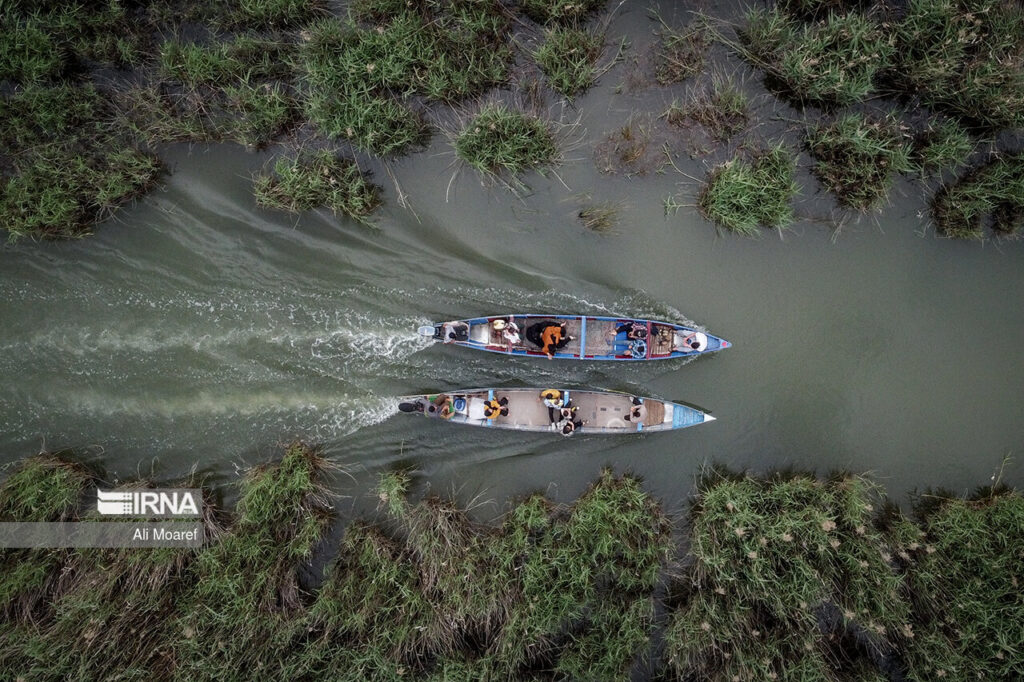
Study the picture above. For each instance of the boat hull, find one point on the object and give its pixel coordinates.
(603, 412)
(593, 337)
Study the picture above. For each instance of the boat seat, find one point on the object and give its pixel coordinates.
(475, 408)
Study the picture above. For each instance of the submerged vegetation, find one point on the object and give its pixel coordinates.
(722, 109)
(783, 577)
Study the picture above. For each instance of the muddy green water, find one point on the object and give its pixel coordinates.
(196, 331)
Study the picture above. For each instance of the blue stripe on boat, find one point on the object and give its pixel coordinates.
(683, 416)
(490, 396)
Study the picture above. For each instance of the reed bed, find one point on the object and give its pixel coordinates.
(964, 57)
(783, 577)
(742, 195)
(320, 179)
(857, 157)
(963, 570)
(782, 571)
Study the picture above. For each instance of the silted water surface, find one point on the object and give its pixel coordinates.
(195, 330)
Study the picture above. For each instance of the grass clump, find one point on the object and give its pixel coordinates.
(28, 53)
(501, 140)
(723, 110)
(942, 145)
(568, 57)
(857, 157)
(742, 195)
(560, 11)
(990, 195)
(244, 58)
(964, 57)
(320, 179)
(266, 14)
(681, 52)
(783, 571)
(834, 60)
(70, 162)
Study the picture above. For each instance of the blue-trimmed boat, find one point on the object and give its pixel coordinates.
(533, 409)
(581, 337)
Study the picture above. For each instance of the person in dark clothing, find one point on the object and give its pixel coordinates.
(550, 336)
(634, 330)
(494, 408)
(571, 427)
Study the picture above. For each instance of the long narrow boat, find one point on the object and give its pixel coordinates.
(599, 411)
(592, 337)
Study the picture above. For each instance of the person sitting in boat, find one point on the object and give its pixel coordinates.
(634, 330)
(509, 331)
(494, 408)
(549, 336)
(552, 397)
(572, 427)
(636, 411)
(439, 405)
(694, 342)
(455, 331)
(558, 415)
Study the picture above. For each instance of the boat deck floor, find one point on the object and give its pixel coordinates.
(526, 410)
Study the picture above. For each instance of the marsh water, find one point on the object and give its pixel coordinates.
(197, 331)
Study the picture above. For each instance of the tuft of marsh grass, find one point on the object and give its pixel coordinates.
(834, 60)
(502, 140)
(743, 195)
(222, 63)
(266, 14)
(28, 53)
(992, 194)
(568, 57)
(942, 146)
(858, 156)
(635, 148)
(314, 180)
(560, 11)
(56, 196)
(601, 217)
(681, 52)
(722, 110)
